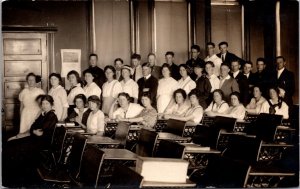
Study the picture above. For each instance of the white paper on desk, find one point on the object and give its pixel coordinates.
(70, 60)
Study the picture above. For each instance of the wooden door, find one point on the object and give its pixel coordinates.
(23, 53)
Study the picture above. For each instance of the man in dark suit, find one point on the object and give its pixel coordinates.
(148, 83)
(261, 78)
(285, 81)
(156, 70)
(95, 70)
(195, 52)
(118, 65)
(226, 56)
(247, 71)
(169, 56)
(241, 80)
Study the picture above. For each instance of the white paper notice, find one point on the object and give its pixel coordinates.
(71, 59)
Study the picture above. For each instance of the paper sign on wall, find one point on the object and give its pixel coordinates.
(71, 59)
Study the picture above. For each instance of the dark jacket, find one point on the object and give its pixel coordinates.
(175, 71)
(150, 85)
(243, 86)
(99, 73)
(85, 116)
(191, 64)
(229, 57)
(229, 86)
(204, 87)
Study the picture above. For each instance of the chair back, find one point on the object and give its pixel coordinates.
(75, 157)
(206, 136)
(90, 166)
(59, 137)
(169, 149)
(174, 126)
(146, 143)
(226, 123)
(122, 132)
(124, 177)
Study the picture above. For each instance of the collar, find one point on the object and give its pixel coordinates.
(280, 71)
(148, 76)
(235, 73)
(211, 77)
(247, 75)
(227, 77)
(58, 87)
(77, 110)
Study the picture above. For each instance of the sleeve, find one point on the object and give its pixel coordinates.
(100, 121)
(285, 110)
(197, 115)
(265, 107)
(192, 85)
(224, 107)
(21, 95)
(117, 112)
(63, 98)
(209, 108)
(239, 113)
(98, 91)
(251, 104)
(235, 86)
(135, 90)
(117, 89)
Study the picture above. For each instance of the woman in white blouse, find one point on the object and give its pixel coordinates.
(218, 105)
(110, 90)
(194, 114)
(95, 122)
(166, 87)
(91, 88)
(275, 105)
(213, 79)
(59, 96)
(185, 83)
(127, 109)
(256, 102)
(75, 81)
(129, 85)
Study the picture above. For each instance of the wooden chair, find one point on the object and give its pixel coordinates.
(90, 167)
(169, 149)
(121, 133)
(174, 126)
(61, 175)
(146, 143)
(206, 136)
(226, 123)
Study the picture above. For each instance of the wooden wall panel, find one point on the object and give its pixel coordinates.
(24, 68)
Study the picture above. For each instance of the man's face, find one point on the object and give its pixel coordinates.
(280, 63)
(235, 66)
(260, 65)
(223, 49)
(247, 68)
(146, 71)
(93, 61)
(135, 62)
(118, 65)
(169, 59)
(151, 60)
(195, 53)
(224, 70)
(210, 49)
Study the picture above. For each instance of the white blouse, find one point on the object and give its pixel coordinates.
(256, 105)
(92, 89)
(213, 107)
(59, 96)
(188, 84)
(284, 110)
(196, 112)
(176, 110)
(237, 112)
(165, 90)
(132, 111)
(217, 62)
(111, 89)
(130, 87)
(214, 81)
(95, 122)
(75, 91)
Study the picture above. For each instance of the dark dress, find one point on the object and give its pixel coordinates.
(21, 156)
(204, 87)
(85, 116)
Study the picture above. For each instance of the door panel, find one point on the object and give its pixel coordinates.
(23, 53)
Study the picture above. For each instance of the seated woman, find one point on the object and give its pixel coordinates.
(256, 102)
(218, 105)
(275, 105)
(80, 113)
(194, 114)
(20, 154)
(95, 122)
(147, 117)
(236, 110)
(127, 109)
(180, 106)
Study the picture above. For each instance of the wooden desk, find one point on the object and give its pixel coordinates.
(102, 141)
(173, 137)
(187, 184)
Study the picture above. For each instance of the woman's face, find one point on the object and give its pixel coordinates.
(109, 74)
(88, 78)
(209, 69)
(54, 81)
(31, 81)
(72, 79)
(126, 73)
(256, 92)
(273, 94)
(93, 106)
(198, 71)
(166, 72)
(46, 106)
(79, 103)
(182, 71)
(217, 97)
(146, 101)
(194, 100)
(123, 101)
(234, 100)
(179, 98)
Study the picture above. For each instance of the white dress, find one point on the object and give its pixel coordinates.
(31, 108)
(130, 87)
(95, 122)
(188, 84)
(59, 96)
(165, 90)
(110, 92)
(92, 89)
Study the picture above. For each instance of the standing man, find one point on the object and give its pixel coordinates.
(148, 84)
(226, 56)
(241, 80)
(136, 66)
(247, 71)
(195, 52)
(95, 70)
(156, 70)
(118, 65)
(169, 56)
(210, 48)
(261, 77)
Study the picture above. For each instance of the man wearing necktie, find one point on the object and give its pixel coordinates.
(226, 56)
